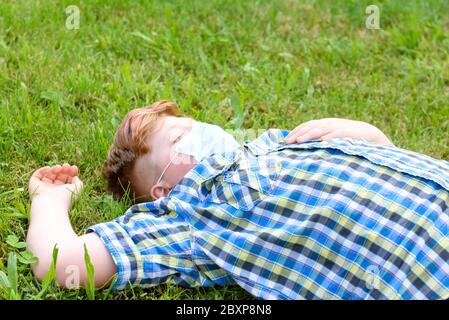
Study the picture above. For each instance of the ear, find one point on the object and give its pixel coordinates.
(159, 190)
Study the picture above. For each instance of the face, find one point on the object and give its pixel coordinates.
(149, 167)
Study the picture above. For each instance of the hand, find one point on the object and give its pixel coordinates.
(330, 128)
(60, 181)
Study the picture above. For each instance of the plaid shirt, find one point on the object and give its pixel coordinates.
(344, 219)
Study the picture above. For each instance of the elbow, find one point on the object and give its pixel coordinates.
(66, 274)
(40, 271)
(70, 268)
(42, 266)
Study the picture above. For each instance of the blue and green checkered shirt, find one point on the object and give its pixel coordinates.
(343, 219)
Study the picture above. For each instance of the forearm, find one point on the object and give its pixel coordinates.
(49, 225)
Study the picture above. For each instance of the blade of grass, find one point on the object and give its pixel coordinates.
(13, 276)
(51, 274)
(90, 282)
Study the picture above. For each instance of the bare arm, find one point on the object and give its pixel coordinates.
(51, 190)
(330, 128)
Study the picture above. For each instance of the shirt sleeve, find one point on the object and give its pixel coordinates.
(151, 245)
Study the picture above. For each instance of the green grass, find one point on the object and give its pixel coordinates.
(238, 64)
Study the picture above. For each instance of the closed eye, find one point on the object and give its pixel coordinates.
(177, 134)
(177, 138)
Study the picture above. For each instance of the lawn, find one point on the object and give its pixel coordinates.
(237, 64)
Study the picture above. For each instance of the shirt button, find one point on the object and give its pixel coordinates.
(172, 214)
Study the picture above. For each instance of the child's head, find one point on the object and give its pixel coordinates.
(142, 148)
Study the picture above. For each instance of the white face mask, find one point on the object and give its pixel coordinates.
(202, 141)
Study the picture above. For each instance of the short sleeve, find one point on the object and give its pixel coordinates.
(151, 247)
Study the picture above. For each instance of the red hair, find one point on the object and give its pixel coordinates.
(130, 142)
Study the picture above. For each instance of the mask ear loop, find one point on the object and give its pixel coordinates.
(166, 167)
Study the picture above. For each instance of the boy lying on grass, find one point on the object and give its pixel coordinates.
(329, 210)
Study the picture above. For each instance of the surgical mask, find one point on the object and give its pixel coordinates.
(202, 141)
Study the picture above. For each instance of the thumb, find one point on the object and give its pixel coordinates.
(78, 184)
(33, 185)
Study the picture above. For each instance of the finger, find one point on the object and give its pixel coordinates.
(58, 182)
(48, 180)
(53, 172)
(39, 173)
(333, 135)
(303, 129)
(78, 183)
(77, 180)
(75, 170)
(303, 132)
(61, 178)
(72, 171)
(34, 181)
(54, 169)
(292, 136)
(68, 172)
(49, 176)
(312, 134)
(300, 127)
(67, 169)
(33, 185)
